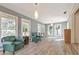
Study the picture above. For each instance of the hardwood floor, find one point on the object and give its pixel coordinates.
(46, 47)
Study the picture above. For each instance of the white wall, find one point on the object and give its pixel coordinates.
(76, 18)
(72, 25)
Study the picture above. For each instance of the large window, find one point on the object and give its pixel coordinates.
(50, 30)
(39, 28)
(57, 29)
(8, 25)
(25, 27)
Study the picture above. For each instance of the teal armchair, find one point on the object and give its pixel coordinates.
(12, 44)
(36, 37)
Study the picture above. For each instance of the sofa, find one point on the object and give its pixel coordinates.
(12, 44)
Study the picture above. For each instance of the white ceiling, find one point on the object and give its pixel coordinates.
(48, 12)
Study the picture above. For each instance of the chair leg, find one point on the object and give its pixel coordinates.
(3, 51)
(13, 52)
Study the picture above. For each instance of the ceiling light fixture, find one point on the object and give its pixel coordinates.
(36, 12)
(51, 24)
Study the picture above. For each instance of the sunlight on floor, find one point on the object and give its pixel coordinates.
(55, 39)
(58, 39)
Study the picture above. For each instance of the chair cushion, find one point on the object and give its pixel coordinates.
(12, 38)
(18, 43)
(7, 42)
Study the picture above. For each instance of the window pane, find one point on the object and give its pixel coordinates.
(7, 26)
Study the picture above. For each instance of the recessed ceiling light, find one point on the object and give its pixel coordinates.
(65, 12)
(35, 4)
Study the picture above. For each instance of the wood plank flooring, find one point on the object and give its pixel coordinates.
(46, 47)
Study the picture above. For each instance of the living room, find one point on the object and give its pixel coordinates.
(38, 29)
